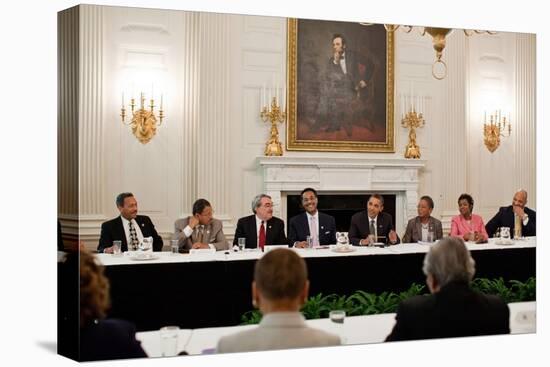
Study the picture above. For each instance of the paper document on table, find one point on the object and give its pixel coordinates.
(202, 251)
(426, 243)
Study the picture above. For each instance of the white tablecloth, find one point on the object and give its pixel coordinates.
(407, 248)
(355, 330)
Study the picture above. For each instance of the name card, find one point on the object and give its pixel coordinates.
(202, 251)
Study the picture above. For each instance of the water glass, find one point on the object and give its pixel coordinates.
(370, 240)
(338, 317)
(174, 246)
(242, 243)
(309, 241)
(117, 247)
(430, 237)
(169, 340)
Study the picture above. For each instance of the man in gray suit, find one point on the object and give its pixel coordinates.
(201, 230)
(279, 290)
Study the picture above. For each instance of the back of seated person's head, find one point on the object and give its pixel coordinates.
(280, 280)
(448, 261)
(94, 290)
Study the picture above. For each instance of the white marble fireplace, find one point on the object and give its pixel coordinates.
(330, 175)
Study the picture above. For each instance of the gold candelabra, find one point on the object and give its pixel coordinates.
(144, 122)
(498, 126)
(275, 115)
(412, 120)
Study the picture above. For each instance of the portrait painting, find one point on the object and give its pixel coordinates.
(340, 86)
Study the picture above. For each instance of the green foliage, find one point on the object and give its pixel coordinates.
(363, 303)
(511, 291)
(251, 317)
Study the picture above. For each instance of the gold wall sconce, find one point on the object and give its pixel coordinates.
(273, 113)
(497, 127)
(144, 122)
(439, 41)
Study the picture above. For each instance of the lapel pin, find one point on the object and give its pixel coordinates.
(322, 227)
(269, 227)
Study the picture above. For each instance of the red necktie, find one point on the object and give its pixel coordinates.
(262, 236)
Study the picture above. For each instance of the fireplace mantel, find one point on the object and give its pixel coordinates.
(282, 175)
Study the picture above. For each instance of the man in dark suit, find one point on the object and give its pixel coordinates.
(453, 309)
(261, 228)
(372, 221)
(521, 220)
(129, 227)
(320, 226)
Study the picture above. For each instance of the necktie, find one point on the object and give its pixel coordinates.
(133, 236)
(201, 234)
(261, 238)
(313, 231)
(372, 229)
(517, 226)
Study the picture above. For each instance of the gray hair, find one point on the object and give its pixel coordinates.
(449, 260)
(256, 201)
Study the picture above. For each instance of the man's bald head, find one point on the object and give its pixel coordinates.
(520, 198)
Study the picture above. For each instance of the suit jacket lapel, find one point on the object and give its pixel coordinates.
(119, 228)
(253, 231)
(305, 223)
(268, 232)
(418, 227)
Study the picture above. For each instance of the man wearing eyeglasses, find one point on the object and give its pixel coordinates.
(261, 228)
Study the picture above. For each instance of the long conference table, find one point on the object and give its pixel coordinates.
(354, 330)
(196, 291)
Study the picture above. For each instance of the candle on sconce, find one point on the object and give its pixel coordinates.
(284, 99)
(412, 96)
(152, 91)
(402, 103)
(122, 99)
(484, 117)
(161, 101)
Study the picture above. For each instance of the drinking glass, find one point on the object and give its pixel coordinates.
(169, 340)
(430, 236)
(174, 247)
(309, 241)
(242, 243)
(370, 240)
(338, 317)
(117, 246)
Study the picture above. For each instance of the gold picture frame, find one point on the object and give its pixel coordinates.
(324, 114)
